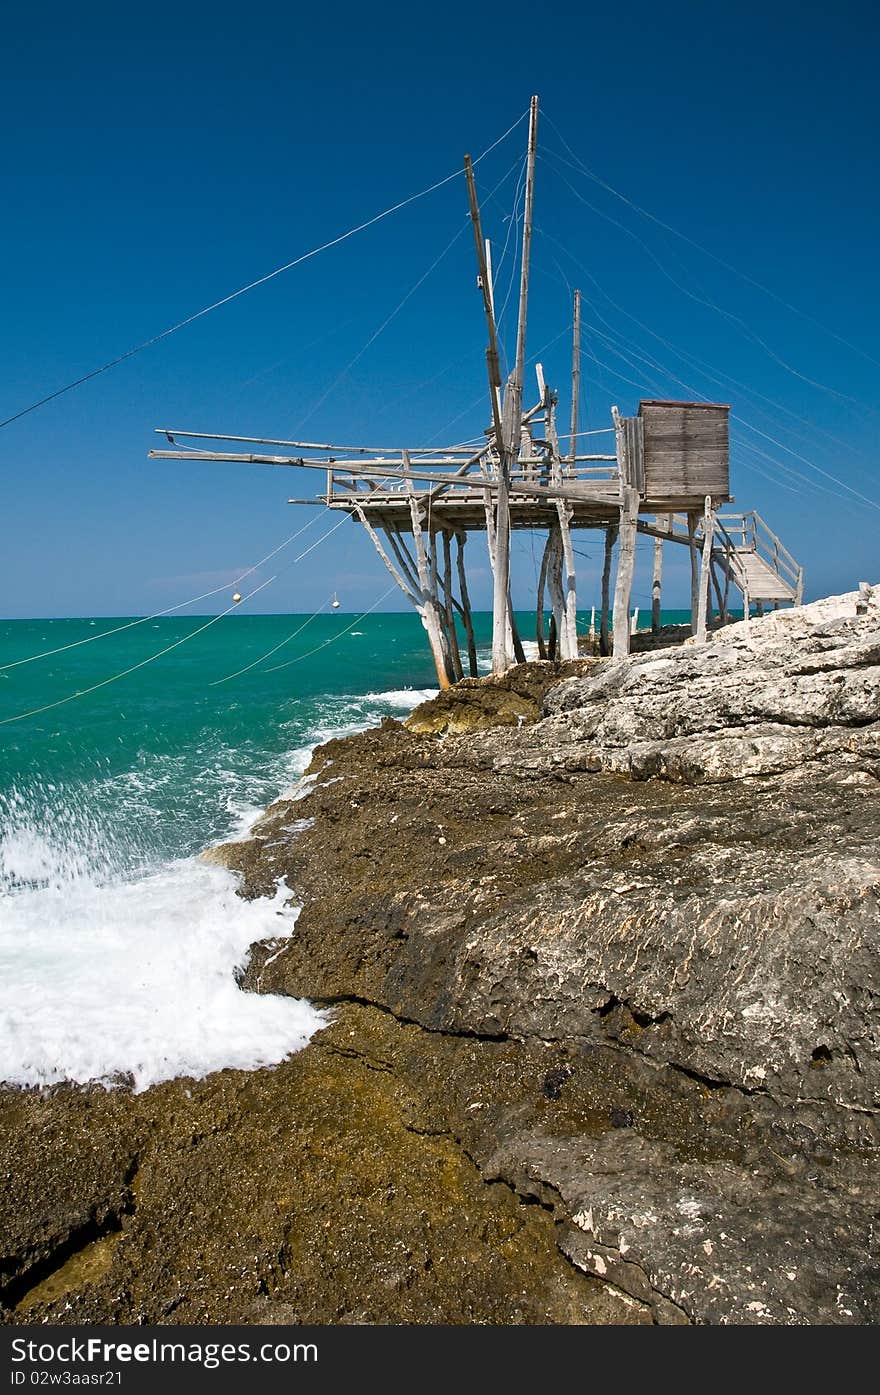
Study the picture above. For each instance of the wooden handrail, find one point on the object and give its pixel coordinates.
(759, 538)
(759, 521)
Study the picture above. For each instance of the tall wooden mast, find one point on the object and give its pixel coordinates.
(493, 363)
(575, 377)
(511, 425)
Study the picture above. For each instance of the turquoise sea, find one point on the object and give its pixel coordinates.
(168, 759)
(117, 945)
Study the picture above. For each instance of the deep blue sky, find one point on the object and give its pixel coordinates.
(157, 157)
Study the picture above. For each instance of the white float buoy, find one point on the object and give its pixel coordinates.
(236, 597)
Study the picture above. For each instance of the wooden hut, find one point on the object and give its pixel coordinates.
(685, 454)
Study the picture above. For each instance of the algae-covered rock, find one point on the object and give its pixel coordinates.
(478, 704)
(326, 1190)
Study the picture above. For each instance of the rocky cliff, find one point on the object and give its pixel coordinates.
(600, 945)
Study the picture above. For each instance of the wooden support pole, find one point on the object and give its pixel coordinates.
(569, 634)
(499, 523)
(444, 610)
(407, 565)
(451, 596)
(657, 581)
(436, 605)
(629, 512)
(427, 571)
(513, 630)
(610, 540)
(705, 568)
(493, 362)
(528, 213)
(554, 586)
(626, 558)
(695, 569)
(422, 602)
(566, 622)
(539, 603)
(568, 628)
(490, 276)
(719, 595)
(466, 613)
(501, 655)
(489, 511)
(455, 656)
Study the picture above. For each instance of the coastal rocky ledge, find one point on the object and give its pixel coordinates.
(598, 945)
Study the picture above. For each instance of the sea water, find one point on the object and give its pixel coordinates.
(119, 947)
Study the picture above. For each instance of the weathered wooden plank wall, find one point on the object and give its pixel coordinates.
(686, 450)
(633, 428)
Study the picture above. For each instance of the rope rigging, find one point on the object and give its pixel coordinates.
(158, 615)
(637, 360)
(334, 638)
(728, 266)
(722, 379)
(252, 285)
(397, 309)
(736, 320)
(236, 601)
(274, 650)
(105, 682)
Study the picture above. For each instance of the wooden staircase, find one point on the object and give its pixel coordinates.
(749, 554)
(746, 553)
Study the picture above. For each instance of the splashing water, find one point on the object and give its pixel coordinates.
(119, 947)
(112, 967)
(52, 838)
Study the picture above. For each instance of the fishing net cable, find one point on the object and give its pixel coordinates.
(252, 285)
(159, 614)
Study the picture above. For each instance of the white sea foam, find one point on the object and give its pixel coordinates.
(114, 964)
(136, 978)
(118, 962)
(403, 697)
(484, 656)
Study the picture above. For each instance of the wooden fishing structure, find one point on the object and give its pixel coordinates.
(667, 477)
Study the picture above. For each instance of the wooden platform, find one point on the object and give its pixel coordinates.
(591, 506)
(667, 477)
